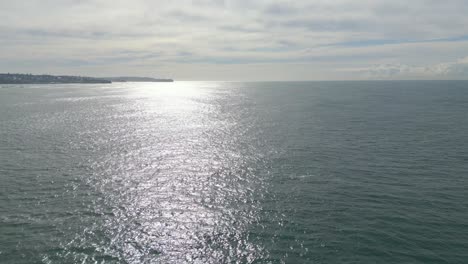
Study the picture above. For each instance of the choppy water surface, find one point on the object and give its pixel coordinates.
(207, 172)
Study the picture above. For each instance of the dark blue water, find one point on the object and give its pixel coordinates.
(217, 172)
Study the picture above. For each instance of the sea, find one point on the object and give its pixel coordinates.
(234, 172)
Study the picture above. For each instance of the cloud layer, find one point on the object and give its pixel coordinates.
(237, 40)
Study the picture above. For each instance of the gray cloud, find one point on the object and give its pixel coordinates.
(278, 9)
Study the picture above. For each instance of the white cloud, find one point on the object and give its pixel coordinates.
(449, 70)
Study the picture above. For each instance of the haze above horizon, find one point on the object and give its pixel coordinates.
(237, 40)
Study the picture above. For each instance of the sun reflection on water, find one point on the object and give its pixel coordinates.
(177, 180)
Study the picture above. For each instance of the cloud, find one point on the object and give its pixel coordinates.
(327, 35)
(449, 70)
(279, 9)
(458, 69)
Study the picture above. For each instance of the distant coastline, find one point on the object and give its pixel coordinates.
(136, 79)
(18, 78)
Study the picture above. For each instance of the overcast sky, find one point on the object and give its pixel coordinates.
(237, 40)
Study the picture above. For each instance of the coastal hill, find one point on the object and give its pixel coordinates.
(16, 78)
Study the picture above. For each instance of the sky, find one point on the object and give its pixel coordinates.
(243, 40)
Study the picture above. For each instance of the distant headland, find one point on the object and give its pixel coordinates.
(17, 78)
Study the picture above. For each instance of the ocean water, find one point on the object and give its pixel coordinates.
(226, 172)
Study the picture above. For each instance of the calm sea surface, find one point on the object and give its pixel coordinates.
(217, 172)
